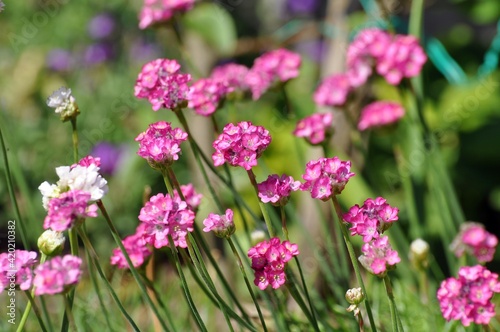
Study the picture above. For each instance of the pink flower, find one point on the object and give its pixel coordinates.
(136, 248)
(240, 145)
(372, 219)
(221, 225)
(468, 297)
(87, 161)
(278, 65)
(57, 275)
(269, 261)
(16, 268)
(206, 96)
(326, 177)
(158, 11)
(277, 189)
(232, 75)
(380, 113)
(67, 209)
(161, 82)
(476, 241)
(315, 128)
(165, 216)
(378, 256)
(333, 90)
(160, 144)
(192, 198)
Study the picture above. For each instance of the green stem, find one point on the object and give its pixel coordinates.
(69, 314)
(30, 304)
(151, 286)
(392, 305)
(263, 208)
(74, 136)
(424, 286)
(168, 184)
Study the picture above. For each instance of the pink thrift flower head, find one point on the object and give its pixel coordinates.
(326, 177)
(372, 219)
(161, 82)
(275, 66)
(87, 161)
(269, 262)
(192, 198)
(276, 190)
(476, 241)
(159, 11)
(379, 257)
(57, 275)
(165, 216)
(333, 91)
(232, 75)
(206, 96)
(240, 145)
(221, 225)
(160, 144)
(315, 128)
(16, 269)
(468, 297)
(380, 113)
(68, 210)
(136, 247)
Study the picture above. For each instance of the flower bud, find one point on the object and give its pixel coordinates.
(257, 236)
(64, 103)
(354, 296)
(51, 243)
(419, 254)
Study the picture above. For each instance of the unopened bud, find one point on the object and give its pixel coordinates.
(51, 243)
(419, 254)
(354, 295)
(257, 236)
(64, 104)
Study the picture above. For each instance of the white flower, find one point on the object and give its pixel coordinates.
(48, 191)
(64, 103)
(2, 5)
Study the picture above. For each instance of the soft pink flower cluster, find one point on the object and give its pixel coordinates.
(380, 113)
(276, 189)
(57, 275)
(269, 261)
(157, 11)
(378, 256)
(206, 96)
(278, 65)
(160, 144)
(16, 268)
(240, 145)
(136, 248)
(232, 75)
(468, 297)
(333, 90)
(372, 219)
(326, 177)
(165, 216)
(192, 198)
(221, 225)
(476, 241)
(161, 82)
(315, 128)
(67, 209)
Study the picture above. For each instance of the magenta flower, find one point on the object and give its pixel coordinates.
(16, 269)
(476, 241)
(159, 11)
(166, 216)
(380, 113)
(88, 161)
(192, 198)
(269, 262)
(67, 209)
(240, 145)
(206, 96)
(136, 248)
(160, 144)
(372, 219)
(378, 256)
(278, 65)
(315, 128)
(57, 275)
(468, 297)
(326, 177)
(333, 91)
(161, 82)
(232, 75)
(276, 190)
(221, 225)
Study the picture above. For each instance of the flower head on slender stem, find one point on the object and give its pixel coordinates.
(136, 248)
(333, 91)
(379, 257)
(159, 11)
(64, 103)
(476, 241)
(380, 113)
(315, 128)
(21, 274)
(354, 296)
(232, 75)
(276, 190)
(419, 254)
(206, 96)
(221, 225)
(57, 275)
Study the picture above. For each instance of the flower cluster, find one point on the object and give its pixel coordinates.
(232, 75)
(57, 275)
(380, 113)
(476, 241)
(378, 256)
(16, 268)
(161, 82)
(192, 198)
(276, 189)
(315, 128)
(67, 209)
(240, 145)
(333, 90)
(326, 177)
(269, 261)
(278, 65)
(468, 297)
(158, 11)
(160, 144)
(221, 225)
(372, 219)
(64, 103)
(136, 248)
(165, 216)
(206, 96)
